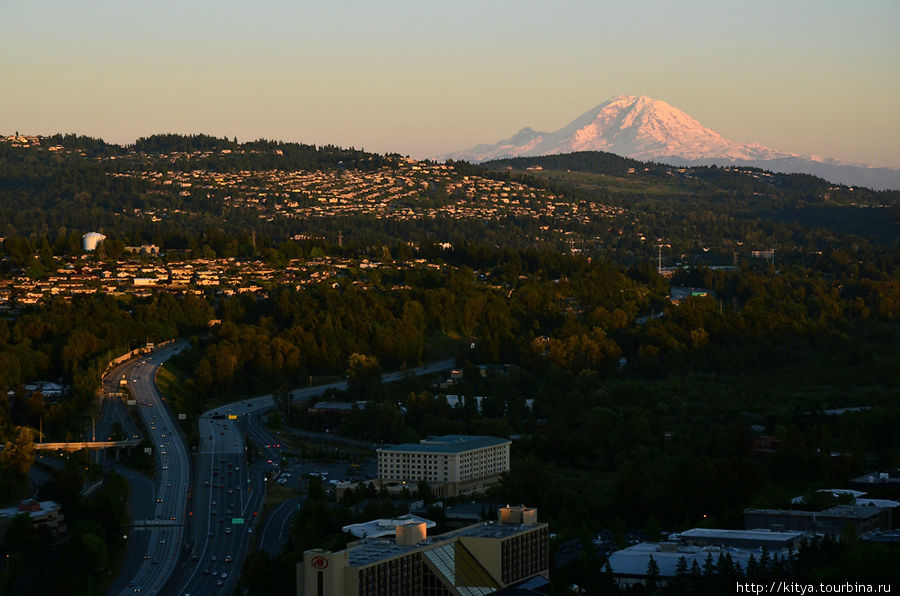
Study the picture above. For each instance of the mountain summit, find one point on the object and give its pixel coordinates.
(648, 129)
(632, 126)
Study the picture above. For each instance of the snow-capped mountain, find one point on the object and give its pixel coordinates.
(648, 129)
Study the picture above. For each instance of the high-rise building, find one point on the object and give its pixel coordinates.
(450, 464)
(476, 560)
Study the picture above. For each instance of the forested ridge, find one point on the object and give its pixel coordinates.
(629, 411)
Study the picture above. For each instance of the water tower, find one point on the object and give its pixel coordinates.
(91, 240)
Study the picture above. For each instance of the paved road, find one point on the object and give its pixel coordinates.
(227, 498)
(273, 532)
(165, 527)
(213, 518)
(141, 505)
(256, 405)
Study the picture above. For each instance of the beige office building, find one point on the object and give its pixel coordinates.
(450, 464)
(473, 561)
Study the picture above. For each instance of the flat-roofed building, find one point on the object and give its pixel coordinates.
(46, 514)
(834, 521)
(476, 560)
(629, 566)
(450, 464)
(748, 539)
(383, 528)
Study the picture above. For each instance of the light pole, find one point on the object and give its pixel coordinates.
(90, 583)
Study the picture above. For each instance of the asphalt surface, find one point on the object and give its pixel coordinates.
(141, 508)
(226, 500)
(164, 524)
(273, 533)
(193, 538)
(113, 408)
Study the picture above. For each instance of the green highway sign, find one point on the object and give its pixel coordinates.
(237, 520)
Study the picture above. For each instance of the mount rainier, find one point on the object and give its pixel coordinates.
(648, 129)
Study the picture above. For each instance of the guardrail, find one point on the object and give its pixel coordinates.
(132, 354)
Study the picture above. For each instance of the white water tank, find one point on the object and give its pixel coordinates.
(91, 240)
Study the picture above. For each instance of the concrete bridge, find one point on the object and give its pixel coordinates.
(78, 445)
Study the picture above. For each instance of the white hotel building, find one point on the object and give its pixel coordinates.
(450, 464)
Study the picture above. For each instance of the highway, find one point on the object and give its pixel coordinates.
(161, 534)
(228, 491)
(114, 409)
(257, 405)
(195, 537)
(227, 498)
(142, 506)
(273, 533)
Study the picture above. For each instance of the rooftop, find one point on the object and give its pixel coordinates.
(448, 444)
(371, 550)
(633, 560)
(30, 507)
(755, 535)
(385, 527)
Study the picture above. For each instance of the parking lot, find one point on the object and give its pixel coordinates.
(337, 471)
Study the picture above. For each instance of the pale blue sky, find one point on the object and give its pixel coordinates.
(423, 78)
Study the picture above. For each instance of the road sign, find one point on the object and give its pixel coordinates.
(319, 562)
(237, 520)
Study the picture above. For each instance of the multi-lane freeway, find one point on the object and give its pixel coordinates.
(226, 500)
(196, 533)
(155, 542)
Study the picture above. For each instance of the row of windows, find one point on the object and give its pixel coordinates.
(523, 556)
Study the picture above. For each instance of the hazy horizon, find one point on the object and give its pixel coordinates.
(806, 77)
